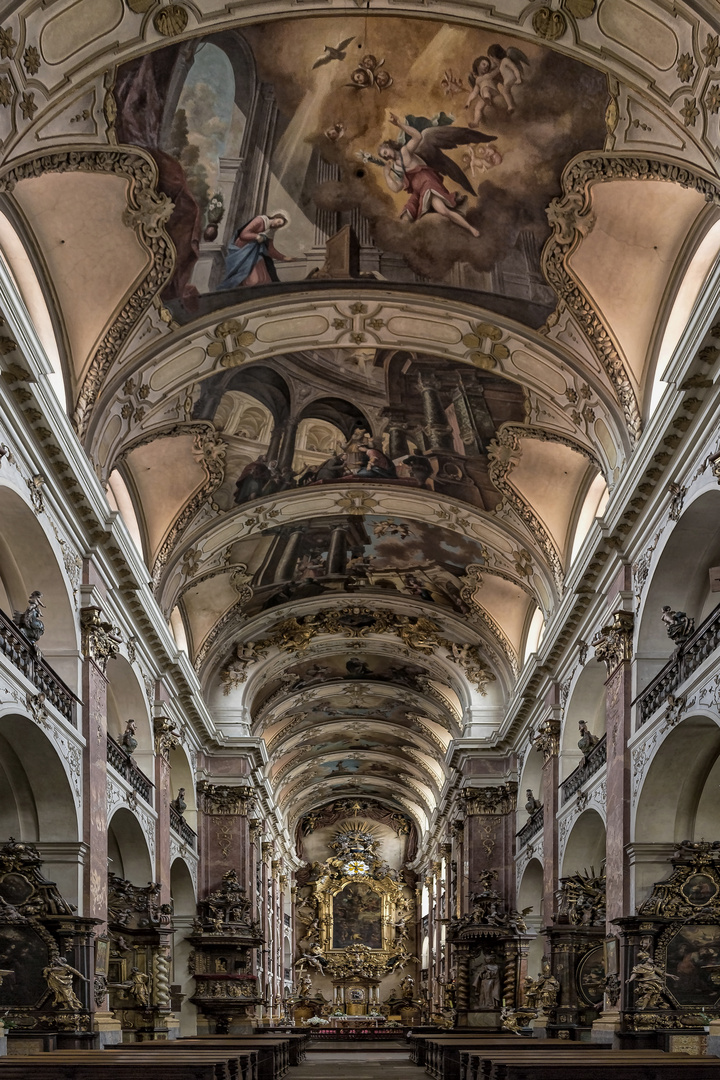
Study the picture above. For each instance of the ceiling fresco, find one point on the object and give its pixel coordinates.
(373, 337)
(440, 145)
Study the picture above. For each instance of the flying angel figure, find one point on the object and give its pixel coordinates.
(493, 77)
(418, 165)
(331, 53)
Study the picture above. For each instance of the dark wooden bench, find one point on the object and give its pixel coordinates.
(603, 1065)
(99, 1065)
(273, 1052)
(443, 1055)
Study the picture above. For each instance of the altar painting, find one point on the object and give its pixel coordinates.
(357, 917)
(693, 965)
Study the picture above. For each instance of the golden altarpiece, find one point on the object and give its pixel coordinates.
(359, 929)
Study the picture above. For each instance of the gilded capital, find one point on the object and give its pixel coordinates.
(547, 739)
(167, 736)
(224, 798)
(100, 639)
(614, 643)
(498, 799)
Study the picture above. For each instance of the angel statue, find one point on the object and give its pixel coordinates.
(417, 164)
(30, 620)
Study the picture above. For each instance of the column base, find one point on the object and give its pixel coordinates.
(3, 1042)
(606, 1028)
(107, 1028)
(713, 1042)
(172, 1022)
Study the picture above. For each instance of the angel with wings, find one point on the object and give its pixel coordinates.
(419, 164)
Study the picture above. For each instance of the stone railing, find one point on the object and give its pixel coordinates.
(531, 827)
(122, 763)
(594, 761)
(688, 657)
(179, 825)
(16, 648)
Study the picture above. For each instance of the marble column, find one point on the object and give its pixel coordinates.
(163, 796)
(267, 850)
(436, 424)
(613, 647)
(547, 743)
(287, 453)
(337, 551)
(430, 886)
(275, 439)
(289, 557)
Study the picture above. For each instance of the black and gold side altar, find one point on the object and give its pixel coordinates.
(140, 933)
(670, 953)
(46, 957)
(224, 935)
(489, 955)
(577, 956)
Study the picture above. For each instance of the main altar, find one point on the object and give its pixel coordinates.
(358, 910)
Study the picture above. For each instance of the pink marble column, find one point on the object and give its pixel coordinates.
(547, 743)
(162, 806)
(613, 647)
(267, 850)
(429, 885)
(95, 823)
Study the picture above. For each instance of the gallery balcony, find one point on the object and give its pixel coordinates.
(180, 827)
(592, 764)
(123, 764)
(531, 828)
(686, 659)
(16, 648)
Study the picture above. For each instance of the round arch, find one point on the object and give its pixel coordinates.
(128, 852)
(29, 561)
(696, 531)
(127, 700)
(586, 701)
(679, 798)
(182, 891)
(585, 847)
(38, 803)
(530, 894)
(181, 776)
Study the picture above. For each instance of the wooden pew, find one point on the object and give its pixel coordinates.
(615, 1065)
(242, 1064)
(443, 1060)
(99, 1065)
(273, 1052)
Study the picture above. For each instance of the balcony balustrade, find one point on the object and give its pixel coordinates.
(122, 763)
(180, 826)
(687, 658)
(594, 761)
(531, 827)
(16, 648)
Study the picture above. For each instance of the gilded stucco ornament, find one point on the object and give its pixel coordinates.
(614, 643)
(547, 738)
(167, 736)
(225, 799)
(100, 639)
(500, 799)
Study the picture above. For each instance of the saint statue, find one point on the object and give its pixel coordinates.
(59, 977)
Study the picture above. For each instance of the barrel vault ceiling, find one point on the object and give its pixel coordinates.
(358, 490)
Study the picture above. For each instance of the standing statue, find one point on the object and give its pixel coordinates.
(587, 740)
(650, 978)
(30, 621)
(532, 803)
(487, 984)
(178, 804)
(59, 977)
(407, 985)
(140, 987)
(128, 741)
(679, 626)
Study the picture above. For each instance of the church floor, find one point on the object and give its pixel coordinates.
(357, 1062)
